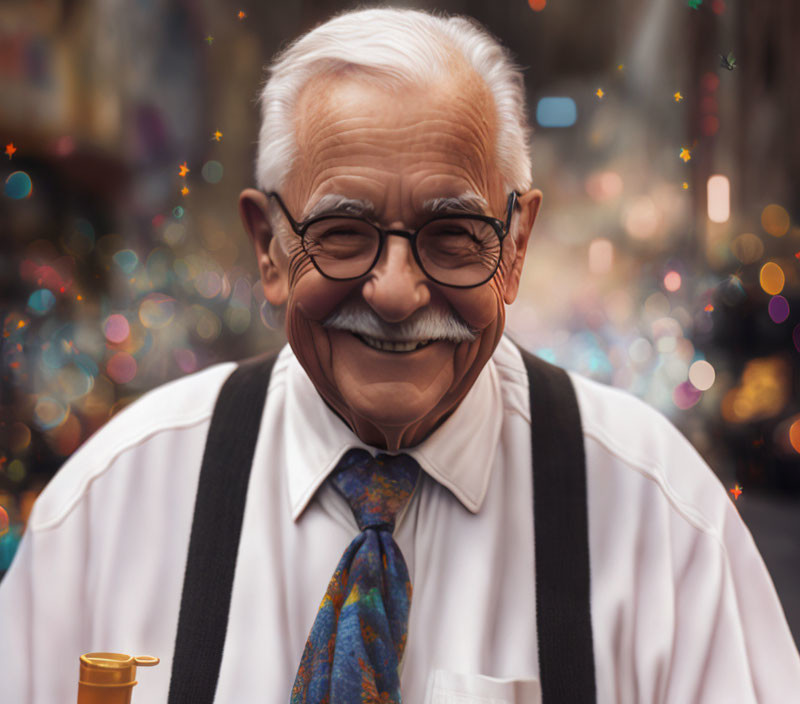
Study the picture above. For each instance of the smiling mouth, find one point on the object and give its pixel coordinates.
(395, 347)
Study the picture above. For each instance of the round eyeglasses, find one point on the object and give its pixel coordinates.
(459, 250)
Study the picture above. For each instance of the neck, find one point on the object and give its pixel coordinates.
(393, 438)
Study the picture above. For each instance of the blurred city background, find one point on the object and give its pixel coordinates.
(664, 261)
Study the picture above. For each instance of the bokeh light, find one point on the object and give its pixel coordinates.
(116, 328)
(643, 218)
(640, 351)
(775, 220)
(764, 391)
(672, 281)
(778, 309)
(686, 395)
(208, 284)
(212, 171)
(19, 437)
(49, 413)
(64, 145)
(66, 437)
(186, 360)
(794, 435)
(772, 278)
(16, 470)
(18, 185)
(174, 233)
(656, 305)
(602, 186)
(157, 310)
(556, 112)
(207, 324)
(126, 259)
(702, 375)
(40, 302)
(121, 368)
(237, 319)
(747, 248)
(74, 381)
(537, 5)
(719, 198)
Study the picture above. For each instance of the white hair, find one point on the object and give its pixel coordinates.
(392, 47)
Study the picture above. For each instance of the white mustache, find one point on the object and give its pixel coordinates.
(425, 324)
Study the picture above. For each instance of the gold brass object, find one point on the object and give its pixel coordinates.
(109, 678)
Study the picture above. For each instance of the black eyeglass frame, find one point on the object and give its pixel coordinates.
(501, 228)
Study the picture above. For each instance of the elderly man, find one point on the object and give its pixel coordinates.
(402, 504)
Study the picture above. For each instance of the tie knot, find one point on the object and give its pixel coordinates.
(376, 488)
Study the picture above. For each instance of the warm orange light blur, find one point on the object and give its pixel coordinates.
(775, 220)
(763, 393)
(794, 435)
(772, 278)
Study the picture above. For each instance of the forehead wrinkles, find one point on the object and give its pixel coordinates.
(351, 126)
(375, 153)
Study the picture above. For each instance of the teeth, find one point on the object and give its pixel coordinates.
(394, 346)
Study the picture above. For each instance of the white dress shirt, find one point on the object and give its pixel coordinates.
(683, 609)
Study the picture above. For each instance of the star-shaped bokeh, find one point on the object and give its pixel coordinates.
(184, 191)
(600, 93)
(685, 154)
(242, 14)
(678, 97)
(216, 136)
(183, 170)
(10, 149)
(736, 491)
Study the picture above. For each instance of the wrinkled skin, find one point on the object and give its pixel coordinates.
(396, 149)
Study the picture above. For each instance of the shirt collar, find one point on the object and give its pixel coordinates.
(459, 454)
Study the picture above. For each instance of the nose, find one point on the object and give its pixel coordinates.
(397, 287)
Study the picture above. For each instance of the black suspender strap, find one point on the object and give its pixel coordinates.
(216, 526)
(561, 537)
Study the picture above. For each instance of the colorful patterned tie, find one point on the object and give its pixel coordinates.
(357, 640)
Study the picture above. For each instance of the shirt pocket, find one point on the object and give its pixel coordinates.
(446, 687)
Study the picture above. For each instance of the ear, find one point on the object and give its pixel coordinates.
(272, 260)
(529, 203)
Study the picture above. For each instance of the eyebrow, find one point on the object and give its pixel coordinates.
(335, 204)
(469, 202)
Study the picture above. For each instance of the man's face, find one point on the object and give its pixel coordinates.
(396, 151)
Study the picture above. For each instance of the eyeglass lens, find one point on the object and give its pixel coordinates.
(455, 251)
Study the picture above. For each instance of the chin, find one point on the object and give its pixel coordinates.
(390, 405)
